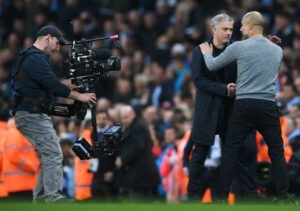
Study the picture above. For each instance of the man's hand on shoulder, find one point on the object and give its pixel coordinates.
(206, 48)
(274, 39)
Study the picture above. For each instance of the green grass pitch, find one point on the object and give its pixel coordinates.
(143, 207)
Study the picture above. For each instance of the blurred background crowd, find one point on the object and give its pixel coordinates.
(157, 40)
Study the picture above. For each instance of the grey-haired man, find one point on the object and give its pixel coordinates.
(215, 92)
(258, 62)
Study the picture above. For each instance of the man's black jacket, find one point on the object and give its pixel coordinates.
(212, 107)
(138, 169)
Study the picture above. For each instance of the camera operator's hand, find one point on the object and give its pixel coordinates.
(69, 84)
(89, 98)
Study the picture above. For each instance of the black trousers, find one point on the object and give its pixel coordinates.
(198, 177)
(196, 171)
(249, 114)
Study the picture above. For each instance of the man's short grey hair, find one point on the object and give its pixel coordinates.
(215, 21)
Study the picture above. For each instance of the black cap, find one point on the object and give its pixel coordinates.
(54, 32)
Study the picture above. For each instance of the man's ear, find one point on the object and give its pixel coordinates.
(250, 25)
(213, 29)
(48, 38)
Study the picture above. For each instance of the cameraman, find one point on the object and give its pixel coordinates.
(33, 84)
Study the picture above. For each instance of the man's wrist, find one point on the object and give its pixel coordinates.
(74, 95)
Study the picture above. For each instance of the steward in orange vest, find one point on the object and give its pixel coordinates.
(3, 190)
(20, 163)
(262, 149)
(182, 178)
(83, 178)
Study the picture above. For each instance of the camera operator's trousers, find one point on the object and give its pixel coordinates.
(38, 129)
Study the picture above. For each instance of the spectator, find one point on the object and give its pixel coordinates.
(133, 157)
(103, 185)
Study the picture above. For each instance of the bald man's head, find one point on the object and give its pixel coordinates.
(255, 18)
(252, 24)
(127, 115)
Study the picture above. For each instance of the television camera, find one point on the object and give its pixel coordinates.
(85, 68)
(86, 65)
(111, 137)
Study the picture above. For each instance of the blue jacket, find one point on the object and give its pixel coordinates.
(38, 67)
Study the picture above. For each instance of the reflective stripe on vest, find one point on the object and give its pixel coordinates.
(82, 186)
(11, 173)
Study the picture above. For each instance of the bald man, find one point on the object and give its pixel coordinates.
(137, 174)
(258, 62)
(127, 115)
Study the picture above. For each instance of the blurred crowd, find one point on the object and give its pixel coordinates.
(157, 40)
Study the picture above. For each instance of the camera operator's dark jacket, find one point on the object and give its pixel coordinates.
(212, 107)
(138, 170)
(38, 68)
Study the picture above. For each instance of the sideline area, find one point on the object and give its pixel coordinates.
(143, 207)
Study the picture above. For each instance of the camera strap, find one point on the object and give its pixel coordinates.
(21, 75)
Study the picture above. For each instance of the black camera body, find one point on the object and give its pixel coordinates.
(107, 146)
(86, 65)
(84, 68)
(77, 109)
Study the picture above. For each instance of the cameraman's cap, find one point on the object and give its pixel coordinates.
(54, 32)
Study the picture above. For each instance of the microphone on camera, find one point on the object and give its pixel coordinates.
(101, 54)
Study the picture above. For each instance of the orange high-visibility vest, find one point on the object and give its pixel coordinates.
(262, 148)
(83, 178)
(3, 190)
(20, 162)
(182, 179)
(175, 181)
(3, 125)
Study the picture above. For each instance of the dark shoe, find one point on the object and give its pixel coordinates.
(63, 200)
(59, 198)
(220, 201)
(286, 199)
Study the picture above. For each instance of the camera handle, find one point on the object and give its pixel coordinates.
(94, 121)
(94, 125)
